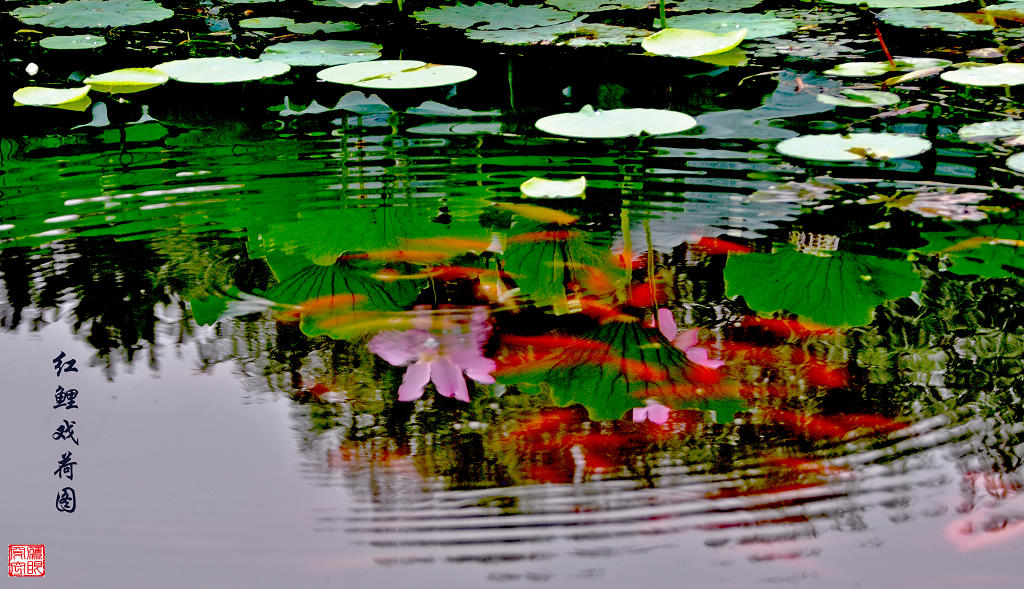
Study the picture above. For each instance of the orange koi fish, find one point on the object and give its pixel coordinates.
(398, 255)
(536, 236)
(714, 245)
(539, 213)
(324, 304)
(786, 327)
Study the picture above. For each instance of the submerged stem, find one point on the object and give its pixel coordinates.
(661, 14)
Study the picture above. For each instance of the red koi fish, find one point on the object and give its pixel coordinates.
(786, 327)
(324, 304)
(399, 255)
(714, 245)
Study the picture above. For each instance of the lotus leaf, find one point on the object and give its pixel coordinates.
(436, 109)
(72, 42)
(691, 43)
(493, 16)
(915, 18)
(598, 5)
(1006, 10)
(623, 122)
(321, 53)
(310, 28)
(899, 3)
(878, 68)
(543, 188)
(1008, 128)
(840, 289)
(860, 98)
(992, 250)
(127, 81)
(1003, 74)
(719, 5)
(757, 25)
(87, 14)
(36, 96)
(575, 33)
(396, 74)
(221, 70)
(853, 147)
(1016, 162)
(266, 22)
(349, 3)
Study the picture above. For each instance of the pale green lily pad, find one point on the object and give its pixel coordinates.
(396, 74)
(310, 28)
(127, 81)
(349, 3)
(719, 5)
(436, 109)
(493, 16)
(221, 70)
(757, 25)
(1003, 74)
(575, 33)
(321, 53)
(1008, 128)
(691, 43)
(72, 42)
(89, 14)
(878, 68)
(860, 98)
(915, 18)
(37, 96)
(599, 5)
(543, 188)
(1016, 162)
(622, 122)
(266, 22)
(853, 147)
(899, 3)
(1006, 10)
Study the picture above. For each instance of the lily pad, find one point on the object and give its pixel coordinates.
(878, 68)
(1006, 10)
(992, 250)
(757, 25)
(89, 14)
(691, 43)
(127, 81)
(266, 22)
(75, 99)
(860, 98)
(72, 42)
(915, 18)
(221, 70)
(990, 129)
(853, 147)
(321, 53)
(543, 188)
(1003, 74)
(598, 5)
(719, 5)
(1016, 162)
(623, 122)
(436, 109)
(493, 16)
(396, 74)
(575, 33)
(349, 3)
(310, 28)
(899, 3)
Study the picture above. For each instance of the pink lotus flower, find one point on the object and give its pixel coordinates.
(685, 341)
(654, 412)
(439, 355)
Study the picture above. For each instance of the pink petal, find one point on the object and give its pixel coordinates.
(640, 414)
(657, 413)
(667, 324)
(416, 377)
(448, 379)
(700, 356)
(398, 348)
(685, 339)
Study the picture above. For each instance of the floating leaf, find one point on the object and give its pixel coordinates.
(36, 96)
(543, 188)
(90, 14)
(757, 25)
(990, 129)
(349, 3)
(310, 28)
(860, 98)
(1004, 74)
(598, 5)
(72, 42)
(396, 74)
(719, 5)
(992, 250)
(899, 3)
(1016, 162)
(575, 33)
(842, 288)
(493, 16)
(436, 109)
(127, 81)
(878, 68)
(622, 122)
(856, 146)
(266, 22)
(916, 18)
(221, 70)
(321, 53)
(691, 43)
(1006, 10)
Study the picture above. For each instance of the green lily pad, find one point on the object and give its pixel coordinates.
(493, 16)
(544, 188)
(1003, 74)
(860, 98)
(1008, 128)
(575, 33)
(622, 122)
(719, 5)
(842, 288)
(321, 53)
(72, 42)
(757, 25)
(691, 43)
(127, 81)
(992, 250)
(37, 96)
(90, 14)
(853, 147)
(598, 5)
(878, 68)
(915, 18)
(310, 28)
(1016, 162)
(266, 22)
(396, 74)
(899, 3)
(221, 70)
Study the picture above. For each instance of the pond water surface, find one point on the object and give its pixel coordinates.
(324, 339)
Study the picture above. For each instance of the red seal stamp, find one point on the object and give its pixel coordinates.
(26, 560)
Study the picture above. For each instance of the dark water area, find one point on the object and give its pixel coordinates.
(324, 338)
